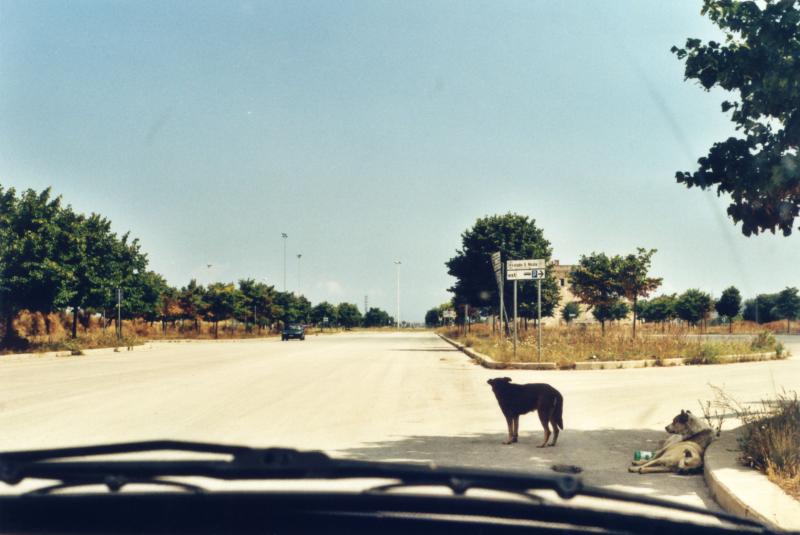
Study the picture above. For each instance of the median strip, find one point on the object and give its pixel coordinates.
(488, 362)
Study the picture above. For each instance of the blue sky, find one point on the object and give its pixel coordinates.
(373, 131)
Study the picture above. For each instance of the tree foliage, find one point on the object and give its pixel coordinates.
(570, 311)
(324, 310)
(433, 318)
(601, 282)
(349, 315)
(659, 309)
(375, 317)
(787, 306)
(761, 309)
(613, 311)
(633, 280)
(516, 237)
(693, 306)
(729, 304)
(758, 63)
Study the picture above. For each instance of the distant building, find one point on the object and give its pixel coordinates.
(561, 273)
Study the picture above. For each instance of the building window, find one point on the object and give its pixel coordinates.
(562, 282)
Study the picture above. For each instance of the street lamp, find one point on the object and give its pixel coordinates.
(284, 236)
(397, 263)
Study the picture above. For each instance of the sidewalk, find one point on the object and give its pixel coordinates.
(744, 491)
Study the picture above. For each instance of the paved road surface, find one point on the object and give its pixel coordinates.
(384, 396)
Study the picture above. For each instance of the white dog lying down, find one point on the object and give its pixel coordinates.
(682, 452)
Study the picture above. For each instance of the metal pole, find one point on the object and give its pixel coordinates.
(397, 321)
(284, 236)
(502, 305)
(515, 319)
(119, 313)
(298, 273)
(539, 319)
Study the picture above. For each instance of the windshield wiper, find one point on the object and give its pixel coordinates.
(280, 463)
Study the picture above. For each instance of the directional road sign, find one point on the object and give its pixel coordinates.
(519, 275)
(521, 265)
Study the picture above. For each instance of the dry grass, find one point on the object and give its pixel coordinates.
(567, 345)
(770, 441)
(33, 328)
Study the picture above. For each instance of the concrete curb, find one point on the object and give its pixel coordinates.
(620, 364)
(488, 362)
(744, 491)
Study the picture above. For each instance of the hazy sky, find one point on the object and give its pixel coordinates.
(373, 131)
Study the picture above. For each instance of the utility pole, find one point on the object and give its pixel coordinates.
(284, 236)
(366, 303)
(397, 263)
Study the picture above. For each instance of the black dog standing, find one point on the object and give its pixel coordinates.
(515, 400)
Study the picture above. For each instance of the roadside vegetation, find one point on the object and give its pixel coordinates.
(771, 441)
(565, 345)
(770, 434)
(66, 278)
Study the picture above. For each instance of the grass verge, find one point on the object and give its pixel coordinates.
(770, 439)
(567, 345)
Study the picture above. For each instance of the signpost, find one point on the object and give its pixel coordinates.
(524, 270)
(497, 265)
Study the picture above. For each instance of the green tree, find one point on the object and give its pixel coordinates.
(516, 237)
(693, 306)
(220, 305)
(659, 309)
(787, 306)
(35, 230)
(375, 317)
(759, 169)
(292, 308)
(729, 304)
(144, 298)
(595, 282)
(761, 309)
(570, 311)
(432, 318)
(614, 311)
(99, 263)
(169, 307)
(321, 311)
(349, 315)
(191, 302)
(633, 279)
(255, 306)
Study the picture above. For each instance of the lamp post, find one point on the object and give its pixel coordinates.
(284, 236)
(397, 263)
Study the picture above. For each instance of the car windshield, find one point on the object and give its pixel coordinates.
(527, 236)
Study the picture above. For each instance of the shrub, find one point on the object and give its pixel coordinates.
(771, 441)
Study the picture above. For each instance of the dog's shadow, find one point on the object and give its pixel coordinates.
(603, 456)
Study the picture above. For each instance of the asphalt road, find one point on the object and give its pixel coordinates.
(390, 396)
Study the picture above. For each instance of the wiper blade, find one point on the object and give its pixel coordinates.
(280, 463)
(257, 463)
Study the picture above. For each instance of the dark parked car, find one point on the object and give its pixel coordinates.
(293, 331)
